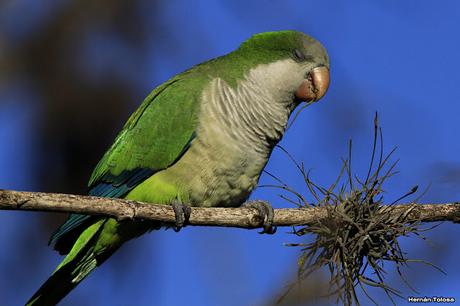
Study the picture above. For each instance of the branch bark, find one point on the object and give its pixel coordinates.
(242, 217)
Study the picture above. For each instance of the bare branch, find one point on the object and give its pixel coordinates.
(231, 217)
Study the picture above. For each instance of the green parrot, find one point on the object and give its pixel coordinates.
(201, 138)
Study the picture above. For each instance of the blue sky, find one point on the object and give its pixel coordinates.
(399, 58)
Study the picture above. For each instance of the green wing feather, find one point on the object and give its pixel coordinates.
(156, 134)
(154, 138)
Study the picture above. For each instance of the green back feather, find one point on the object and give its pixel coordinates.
(156, 134)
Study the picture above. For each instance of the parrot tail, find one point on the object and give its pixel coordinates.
(73, 269)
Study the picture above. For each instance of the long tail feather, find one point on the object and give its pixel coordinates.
(74, 268)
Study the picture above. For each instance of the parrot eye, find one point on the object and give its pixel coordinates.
(299, 56)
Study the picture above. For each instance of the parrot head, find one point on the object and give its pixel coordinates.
(303, 63)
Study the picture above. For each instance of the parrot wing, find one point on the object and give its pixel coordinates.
(156, 135)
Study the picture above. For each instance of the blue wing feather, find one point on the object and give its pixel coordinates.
(109, 186)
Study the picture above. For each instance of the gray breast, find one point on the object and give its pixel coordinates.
(237, 131)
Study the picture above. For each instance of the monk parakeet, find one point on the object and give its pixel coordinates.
(201, 138)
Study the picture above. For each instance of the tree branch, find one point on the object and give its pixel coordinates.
(231, 217)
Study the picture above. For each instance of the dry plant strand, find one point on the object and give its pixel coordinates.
(360, 233)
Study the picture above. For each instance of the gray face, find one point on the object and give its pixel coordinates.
(315, 61)
(314, 52)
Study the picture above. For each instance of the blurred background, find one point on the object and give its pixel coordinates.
(71, 72)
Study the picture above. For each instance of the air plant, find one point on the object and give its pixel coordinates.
(360, 233)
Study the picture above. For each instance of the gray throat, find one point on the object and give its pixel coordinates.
(255, 114)
(248, 115)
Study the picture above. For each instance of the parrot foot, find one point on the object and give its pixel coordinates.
(182, 213)
(266, 214)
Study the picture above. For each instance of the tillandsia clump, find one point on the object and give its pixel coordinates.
(359, 234)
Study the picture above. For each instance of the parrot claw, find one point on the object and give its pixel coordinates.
(266, 214)
(182, 213)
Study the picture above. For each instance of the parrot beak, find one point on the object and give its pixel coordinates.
(314, 86)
